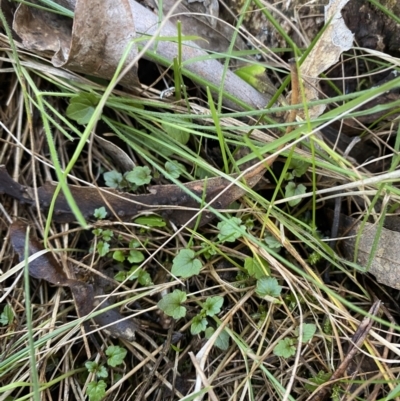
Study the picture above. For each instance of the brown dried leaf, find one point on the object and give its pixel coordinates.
(114, 323)
(41, 30)
(45, 267)
(101, 32)
(170, 201)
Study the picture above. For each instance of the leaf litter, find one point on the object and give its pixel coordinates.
(46, 267)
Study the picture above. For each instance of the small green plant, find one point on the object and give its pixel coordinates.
(229, 230)
(314, 258)
(272, 242)
(96, 389)
(135, 273)
(292, 189)
(174, 132)
(131, 255)
(320, 378)
(171, 305)
(151, 221)
(174, 169)
(323, 377)
(113, 179)
(222, 341)
(99, 370)
(103, 248)
(139, 176)
(297, 169)
(100, 213)
(104, 236)
(287, 346)
(256, 267)
(116, 355)
(185, 264)
(211, 307)
(7, 316)
(309, 330)
(131, 180)
(107, 235)
(209, 250)
(268, 287)
(82, 107)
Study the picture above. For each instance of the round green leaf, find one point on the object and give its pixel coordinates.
(170, 304)
(185, 264)
(140, 175)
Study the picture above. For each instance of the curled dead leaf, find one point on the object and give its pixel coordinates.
(119, 157)
(46, 267)
(173, 202)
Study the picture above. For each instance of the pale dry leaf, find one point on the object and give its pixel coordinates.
(101, 33)
(336, 39)
(385, 264)
(118, 156)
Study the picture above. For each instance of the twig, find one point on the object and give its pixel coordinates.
(357, 340)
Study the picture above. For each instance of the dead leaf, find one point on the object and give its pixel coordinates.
(111, 320)
(385, 264)
(336, 39)
(118, 156)
(171, 201)
(113, 323)
(41, 30)
(100, 34)
(46, 267)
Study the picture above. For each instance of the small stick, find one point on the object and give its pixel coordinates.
(357, 340)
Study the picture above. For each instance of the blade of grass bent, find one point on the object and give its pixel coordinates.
(221, 138)
(28, 312)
